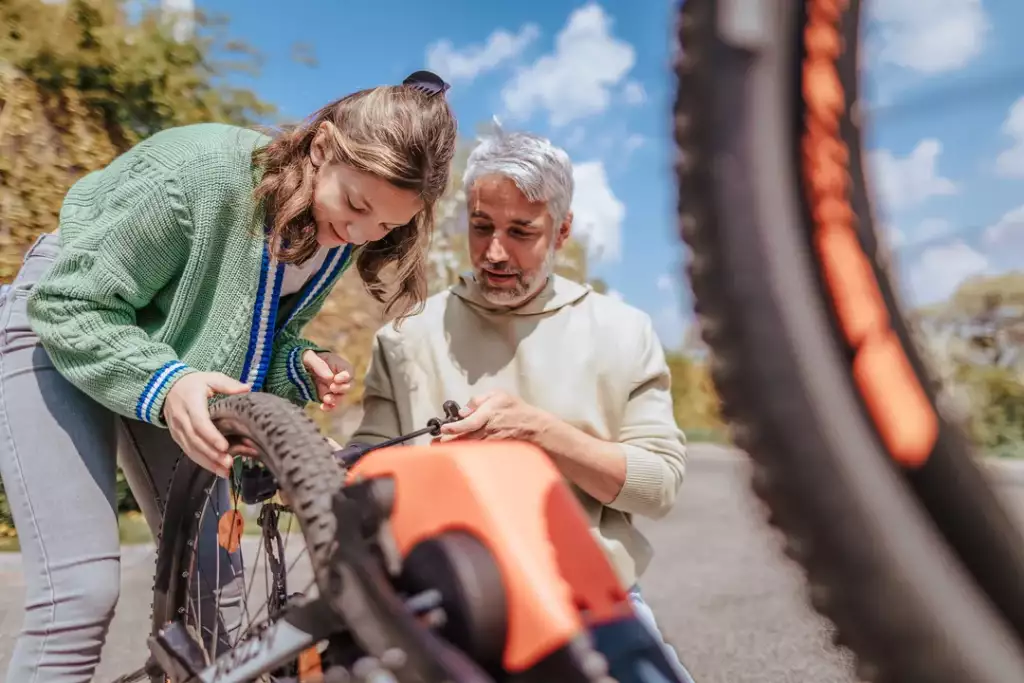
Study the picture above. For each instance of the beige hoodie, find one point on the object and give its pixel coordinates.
(593, 361)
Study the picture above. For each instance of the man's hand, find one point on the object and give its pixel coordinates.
(332, 375)
(187, 414)
(596, 466)
(495, 415)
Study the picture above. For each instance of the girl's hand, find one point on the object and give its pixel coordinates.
(332, 375)
(187, 414)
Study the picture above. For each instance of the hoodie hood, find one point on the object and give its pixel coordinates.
(557, 293)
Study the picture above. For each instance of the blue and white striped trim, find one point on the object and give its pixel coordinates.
(324, 276)
(261, 332)
(160, 379)
(295, 374)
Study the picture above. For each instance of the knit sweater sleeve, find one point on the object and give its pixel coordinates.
(129, 245)
(287, 377)
(654, 446)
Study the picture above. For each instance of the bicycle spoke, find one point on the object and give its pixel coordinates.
(296, 560)
(248, 632)
(217, 589)
(248, 590)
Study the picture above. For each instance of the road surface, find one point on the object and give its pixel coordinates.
(729, 601)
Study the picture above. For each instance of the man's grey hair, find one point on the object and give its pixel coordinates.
(541, 170)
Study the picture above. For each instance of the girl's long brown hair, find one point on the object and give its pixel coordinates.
(398, 133)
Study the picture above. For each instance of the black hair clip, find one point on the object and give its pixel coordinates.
(426, 82)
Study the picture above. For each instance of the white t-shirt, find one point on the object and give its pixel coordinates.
(295, 276)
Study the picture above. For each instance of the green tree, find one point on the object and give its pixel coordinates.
(996, 415)
(975, 340)
(696, 403)
(82, 81)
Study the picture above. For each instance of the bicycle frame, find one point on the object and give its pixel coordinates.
(299, 627)
(564, 607)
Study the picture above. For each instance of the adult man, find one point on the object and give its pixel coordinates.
(538, 358)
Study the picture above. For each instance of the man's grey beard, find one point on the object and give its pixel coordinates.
(525, 288)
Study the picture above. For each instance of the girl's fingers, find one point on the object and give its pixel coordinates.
(328, 401)
(203, 427)
(318, 367)
(201, 452)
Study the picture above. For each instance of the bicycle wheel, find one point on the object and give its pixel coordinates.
(906, 549)
(305, 475)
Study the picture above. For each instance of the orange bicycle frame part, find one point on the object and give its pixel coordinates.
(513, 500)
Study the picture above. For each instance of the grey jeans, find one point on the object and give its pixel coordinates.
(58, 456)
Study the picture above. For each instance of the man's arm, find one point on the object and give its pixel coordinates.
(653, 444)
(598, 467)
(642, 472)
(380, 414)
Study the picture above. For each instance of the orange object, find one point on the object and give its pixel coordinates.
(896, 401)
(310, 666)
(851, 281)
(513, 500)
(229, 530)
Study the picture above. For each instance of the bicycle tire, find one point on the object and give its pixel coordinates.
(302, 462)
(885, 562)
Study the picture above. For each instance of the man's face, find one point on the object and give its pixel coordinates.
(512, 241)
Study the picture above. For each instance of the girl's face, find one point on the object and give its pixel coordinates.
(354, 207)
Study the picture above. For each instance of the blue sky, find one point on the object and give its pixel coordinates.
(594, 77)
(945, 82)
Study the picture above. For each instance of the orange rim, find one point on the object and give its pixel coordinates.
(895, 400)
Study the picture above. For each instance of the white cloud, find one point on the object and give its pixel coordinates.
(597, 212)
(945, 262)
(1007, 234)
(897, 238)
(928, 230)
(577, 79)
(469, 62)
(634, 142)
(671, 321)
(633, 93)
(183, 15)
(616, 294)
(941, 269)
(576, 136)
(1010, 162)
(929, 36)
(670, 325)
(903, 182)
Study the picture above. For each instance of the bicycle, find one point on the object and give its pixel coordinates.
(407, 585)
(906, 549)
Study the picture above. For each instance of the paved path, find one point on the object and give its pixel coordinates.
(723, 594)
